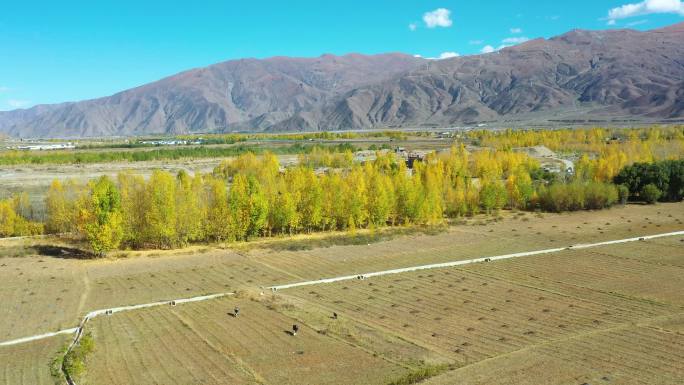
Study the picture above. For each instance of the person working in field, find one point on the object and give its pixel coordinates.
(236, 311)
(295, 329)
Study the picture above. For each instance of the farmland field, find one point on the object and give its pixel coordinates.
(61, 290)
(524, 314)
(29, 364)
(202, 344)
(471, 316)
(626, 355)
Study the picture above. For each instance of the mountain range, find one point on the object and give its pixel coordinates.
(580, 76)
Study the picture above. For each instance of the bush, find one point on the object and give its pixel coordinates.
(419, 375)
(623, 194)
(600, 195)
(575, 196)
(650, 193)
(75, 360)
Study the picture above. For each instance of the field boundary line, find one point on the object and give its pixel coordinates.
(38, 337)
(471, 261)
(97, 313)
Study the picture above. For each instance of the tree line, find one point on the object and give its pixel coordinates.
(253, 196)
(104, 156)
(651, 182)
(602, 152)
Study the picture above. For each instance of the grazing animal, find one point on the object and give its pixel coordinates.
(334, 315)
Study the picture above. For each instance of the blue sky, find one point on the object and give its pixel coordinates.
(56, 51)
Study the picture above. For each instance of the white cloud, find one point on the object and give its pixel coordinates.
(4, 89)
(412, 26)
(476, 42)
(505, 43)
(516, 30)
(645, 7)
(418, 56)
(487, 49)
(611, 22)
(448, 55)
(14, 103)
(442, 56)
(515, 40)
(440, 17)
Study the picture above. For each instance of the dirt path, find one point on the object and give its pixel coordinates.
(38, 337)
(84, 293)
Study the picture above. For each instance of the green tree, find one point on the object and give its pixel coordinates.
(650, 193)
(492, 196)
(623, 194)
(100, 219)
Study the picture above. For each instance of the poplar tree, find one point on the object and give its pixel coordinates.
(161, 214)
(217, 226)
(100, 219)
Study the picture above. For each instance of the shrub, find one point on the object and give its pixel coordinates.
(419, 375)
(575, 196)
(650, 193)
(623, 194)
(75, 360)
(600, 195)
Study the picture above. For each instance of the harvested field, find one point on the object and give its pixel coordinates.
(150, 279)
(625, 355)
(476, 238)
(674, 323)
(39, 295)
(29, 364)
(201, 343)
(40, 288)
(595, 270)
(663, 251)
(466, 315)
(47, 294)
